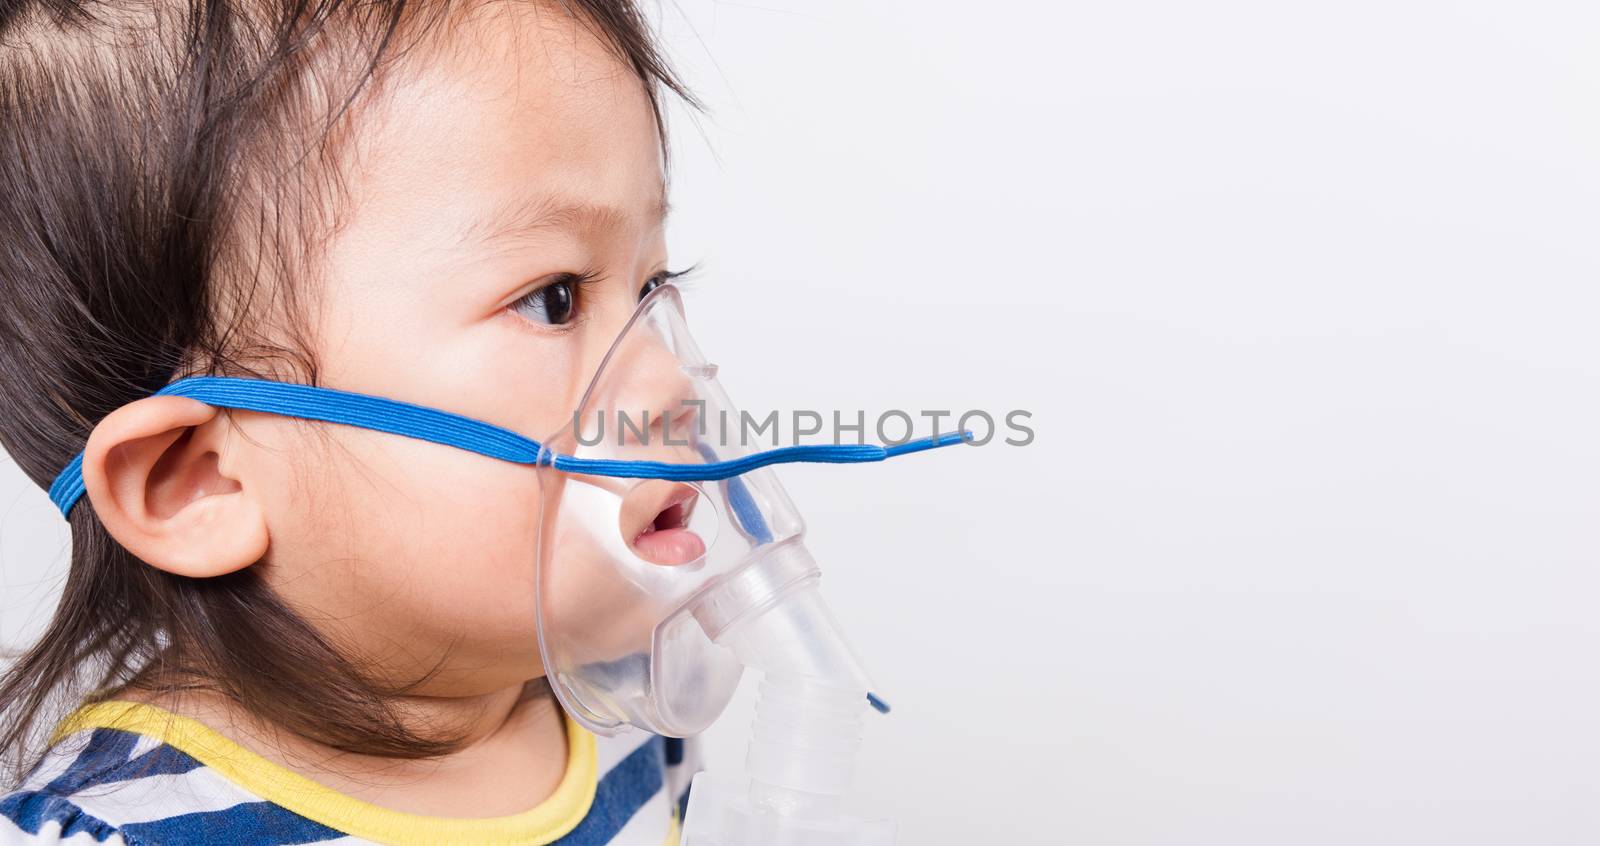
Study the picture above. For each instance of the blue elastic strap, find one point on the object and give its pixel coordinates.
(442, 427)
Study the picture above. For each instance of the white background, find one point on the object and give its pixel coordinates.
(1302, 297)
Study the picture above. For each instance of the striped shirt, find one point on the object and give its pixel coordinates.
(130, 774)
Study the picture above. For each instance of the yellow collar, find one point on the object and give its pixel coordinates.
(547, 822)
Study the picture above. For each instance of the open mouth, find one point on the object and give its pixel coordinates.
(664, 536)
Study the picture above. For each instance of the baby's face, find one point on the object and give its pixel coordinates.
(506, 202)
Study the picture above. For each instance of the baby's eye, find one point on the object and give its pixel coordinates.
(552, 304)
(658, 280)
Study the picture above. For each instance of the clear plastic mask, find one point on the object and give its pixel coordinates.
(633, 574)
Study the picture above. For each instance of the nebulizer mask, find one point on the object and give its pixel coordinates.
(669, 560)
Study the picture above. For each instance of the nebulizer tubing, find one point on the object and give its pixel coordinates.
(811, 706)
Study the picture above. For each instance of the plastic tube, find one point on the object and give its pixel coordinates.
(805, 734)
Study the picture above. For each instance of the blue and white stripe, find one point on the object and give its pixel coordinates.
(109, 786)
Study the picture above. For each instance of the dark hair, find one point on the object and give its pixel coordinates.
(164, 169)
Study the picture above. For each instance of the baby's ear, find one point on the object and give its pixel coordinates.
(154, 471)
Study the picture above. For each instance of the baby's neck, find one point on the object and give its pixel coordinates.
(513, 755)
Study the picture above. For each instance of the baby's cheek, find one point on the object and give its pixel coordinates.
(427, 556)
(470, 560)
(479, 578)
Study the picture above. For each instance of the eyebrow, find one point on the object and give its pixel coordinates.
(525, 217)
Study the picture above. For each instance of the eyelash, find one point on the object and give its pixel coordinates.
(682, 278)
(583, 281)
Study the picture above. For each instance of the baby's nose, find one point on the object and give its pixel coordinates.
(650, 394)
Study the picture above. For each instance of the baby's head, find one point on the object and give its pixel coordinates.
(454, 205)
